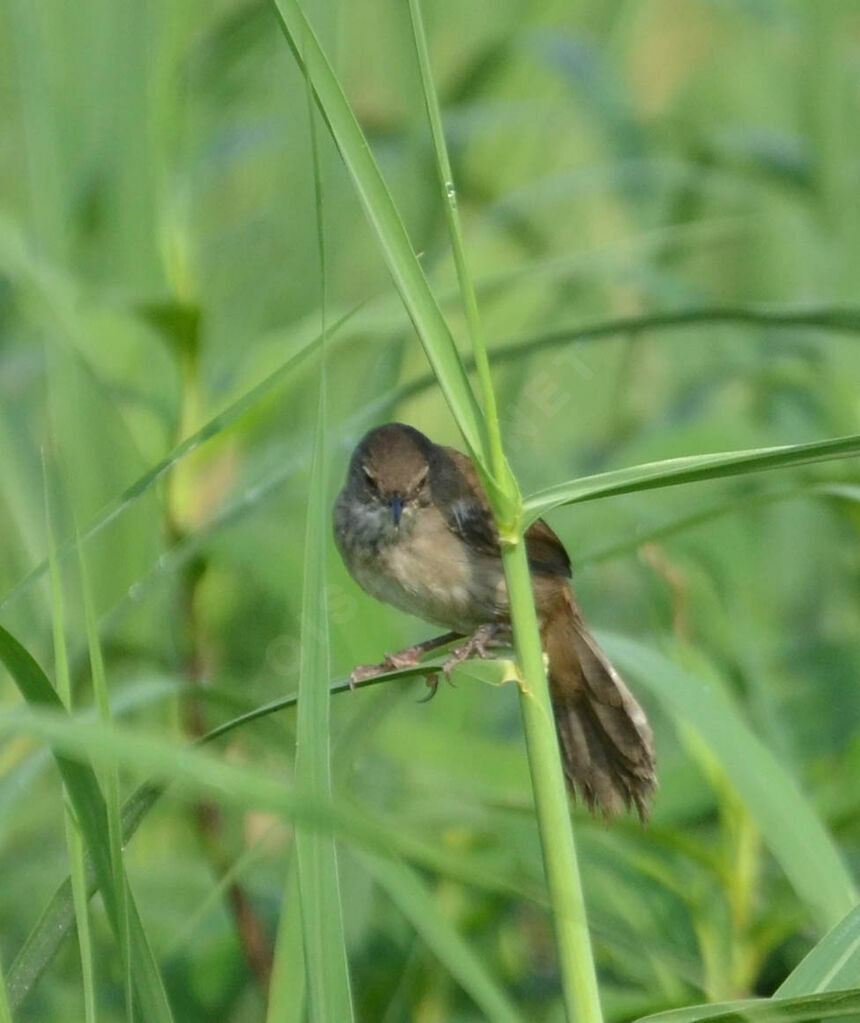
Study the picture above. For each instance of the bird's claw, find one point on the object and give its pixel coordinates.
(432, 680)
(478, 644)
(391, 662)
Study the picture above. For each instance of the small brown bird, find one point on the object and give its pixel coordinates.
(414, 527)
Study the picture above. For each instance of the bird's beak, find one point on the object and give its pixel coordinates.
(396, 506)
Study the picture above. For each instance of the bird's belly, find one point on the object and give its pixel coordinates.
(436, 580)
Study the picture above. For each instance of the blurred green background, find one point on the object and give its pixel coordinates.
(158, 261)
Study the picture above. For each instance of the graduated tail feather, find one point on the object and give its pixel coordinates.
(607, 747)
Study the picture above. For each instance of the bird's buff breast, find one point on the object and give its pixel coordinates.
(430, 573)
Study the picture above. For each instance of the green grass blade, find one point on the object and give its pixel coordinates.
(5, 1013)
(833, 965)
(57, 919)
(325, 953)
(388, 226)
(838, 320)
(832, 1005)
(418, 906)
(89, 807)
(287, 992)
(788, 823)
(844, 320)
(110, 778)
(192, 771)
(690, 469)
(505, 493)
(734, 506)
(74, 842)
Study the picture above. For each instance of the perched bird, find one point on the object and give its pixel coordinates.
(415, 530)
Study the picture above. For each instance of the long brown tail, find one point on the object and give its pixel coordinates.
(607, 746)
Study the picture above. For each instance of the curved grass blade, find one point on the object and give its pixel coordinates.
(845, 320)
(194, 772)
(56, 921)
(417, 905)
(830, 491)
(840, 320)
(832, 1005)
(690, 469)
(833, 965)
(86, 799)
(788, 823)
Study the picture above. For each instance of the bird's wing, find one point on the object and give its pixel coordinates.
(545, 551)
(460, 496)
(467, 512)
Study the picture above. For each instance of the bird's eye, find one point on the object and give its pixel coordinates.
(371, 479)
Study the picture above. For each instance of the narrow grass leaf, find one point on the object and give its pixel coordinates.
(835, 321)
(5, 1013)
(57, 919)
(734, 506)
(833, 965)
(288, 992)
(790, 827)
(86, 799)
(690, 469)
(74, 842)
(110, 777)
(326, 963)
(839, 320)
(417, 905)
(831, 1005)
(502, 487)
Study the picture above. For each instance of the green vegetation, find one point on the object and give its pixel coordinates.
(626, 238)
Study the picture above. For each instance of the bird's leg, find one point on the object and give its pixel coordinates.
(408, 658)
(482, 640)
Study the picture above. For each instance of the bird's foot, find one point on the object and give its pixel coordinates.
(480, 644)
(408, 658)
(391, 662)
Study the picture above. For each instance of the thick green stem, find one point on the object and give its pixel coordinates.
(576, 962)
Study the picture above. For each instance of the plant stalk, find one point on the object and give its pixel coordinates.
(579, 982)
(575, 957)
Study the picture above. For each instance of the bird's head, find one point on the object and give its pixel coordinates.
(390, 472)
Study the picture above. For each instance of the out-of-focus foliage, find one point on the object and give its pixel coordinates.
(158, 261)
